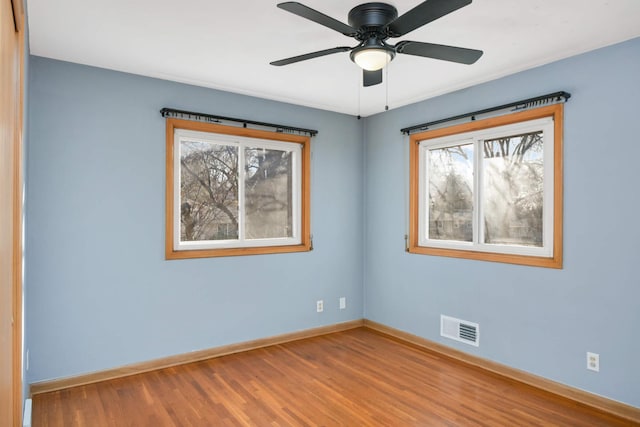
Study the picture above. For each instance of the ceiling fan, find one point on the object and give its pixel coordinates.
(371, 24)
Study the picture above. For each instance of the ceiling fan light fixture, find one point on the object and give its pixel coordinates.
(372, 59)
(373, 56)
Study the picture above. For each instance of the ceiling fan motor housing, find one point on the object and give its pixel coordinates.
(368, 16)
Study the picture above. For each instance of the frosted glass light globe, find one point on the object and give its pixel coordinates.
(372, 59)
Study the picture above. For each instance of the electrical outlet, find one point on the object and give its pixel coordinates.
(319, 306)
(593, 361)
(343, 303)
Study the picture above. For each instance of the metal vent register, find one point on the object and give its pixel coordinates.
(460, 330)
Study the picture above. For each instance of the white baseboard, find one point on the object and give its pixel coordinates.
(26, 418)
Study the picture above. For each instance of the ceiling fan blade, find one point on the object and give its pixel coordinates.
(310, 55)
(371, 78)
(424, 13)
(438, 51)
(317, 17)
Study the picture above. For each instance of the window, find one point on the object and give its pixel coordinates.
(235, 191)
(490, 189)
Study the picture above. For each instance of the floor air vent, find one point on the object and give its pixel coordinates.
(460, 330)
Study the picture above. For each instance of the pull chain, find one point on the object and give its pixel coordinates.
(359, 86)
(386, 86)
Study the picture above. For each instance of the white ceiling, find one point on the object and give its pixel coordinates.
(228, 44)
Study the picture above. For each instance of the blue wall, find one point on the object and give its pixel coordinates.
(539, 320)
(99, 291)
(100, 294)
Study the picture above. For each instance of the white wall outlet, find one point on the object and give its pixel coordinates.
(593, 361)
(319, 306)
(343, 303)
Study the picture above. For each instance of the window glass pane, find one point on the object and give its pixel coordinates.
(450, 193)
(268, 193)
(208, 191)
(513, 190)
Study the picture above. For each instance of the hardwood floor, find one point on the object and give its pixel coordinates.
(352, 378)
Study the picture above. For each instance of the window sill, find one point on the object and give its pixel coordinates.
(555, 262)
(170, 253)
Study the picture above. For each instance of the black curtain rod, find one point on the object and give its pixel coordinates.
(170, 112)
(520, 105)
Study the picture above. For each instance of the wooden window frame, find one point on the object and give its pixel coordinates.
(554, 112)
(171, 252)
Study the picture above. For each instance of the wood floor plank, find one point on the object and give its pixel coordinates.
(351, 378)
